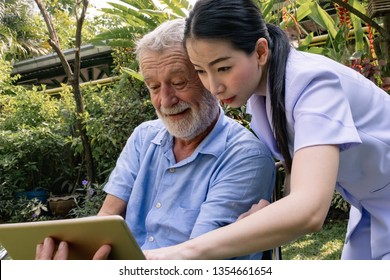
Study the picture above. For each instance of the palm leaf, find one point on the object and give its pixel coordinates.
(133, 73)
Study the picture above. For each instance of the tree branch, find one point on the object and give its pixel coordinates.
(80, 21)
(54, 42)
(73, 78)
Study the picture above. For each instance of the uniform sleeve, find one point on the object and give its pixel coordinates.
(322, 114)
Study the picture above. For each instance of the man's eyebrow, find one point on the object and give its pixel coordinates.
(176, 70)
(173, 71)
(211, 63)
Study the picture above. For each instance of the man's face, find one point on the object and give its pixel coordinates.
(177, 94)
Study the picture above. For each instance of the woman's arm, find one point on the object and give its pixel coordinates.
(313, 179)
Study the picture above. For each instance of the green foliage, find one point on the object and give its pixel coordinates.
(24, 210)
(90, 202)
(65, 25)
(39, 146)
(113, 113)
(6, 80)
(238, 114)
(7, 202)
(338, 202)
(19, 31)
(338, 44)
(139, 17)
(33, 137)
(31, 158)
(27, 109)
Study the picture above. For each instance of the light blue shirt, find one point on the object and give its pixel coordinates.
(329, 103)
(170, 202)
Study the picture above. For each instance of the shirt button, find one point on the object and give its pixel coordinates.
(151, 238)
(171, 170)
(158, 205)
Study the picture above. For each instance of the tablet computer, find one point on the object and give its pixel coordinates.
(84, 237)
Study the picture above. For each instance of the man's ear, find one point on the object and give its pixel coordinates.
(262, 51)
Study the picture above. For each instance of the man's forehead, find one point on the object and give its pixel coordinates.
(172, 68)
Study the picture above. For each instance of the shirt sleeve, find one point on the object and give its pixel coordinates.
(121, 179)
(322, 115)
(245, 175)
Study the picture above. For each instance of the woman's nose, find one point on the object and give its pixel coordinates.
(215, 87)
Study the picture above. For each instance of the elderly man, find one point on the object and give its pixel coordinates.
(193, 169)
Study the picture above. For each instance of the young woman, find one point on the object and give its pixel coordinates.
(329, 124)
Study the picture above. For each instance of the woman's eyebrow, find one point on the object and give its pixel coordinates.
(211, 63)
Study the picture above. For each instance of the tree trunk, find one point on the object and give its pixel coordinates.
(73, 78)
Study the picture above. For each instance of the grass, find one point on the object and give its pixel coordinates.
(323, 245)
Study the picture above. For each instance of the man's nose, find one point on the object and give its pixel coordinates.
(168, 96)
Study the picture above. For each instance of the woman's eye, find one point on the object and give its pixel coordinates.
(199, 71)
(223, 69)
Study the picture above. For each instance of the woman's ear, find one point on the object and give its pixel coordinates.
(262, 51)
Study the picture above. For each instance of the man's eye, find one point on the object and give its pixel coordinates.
(153, 88)
(179, 84)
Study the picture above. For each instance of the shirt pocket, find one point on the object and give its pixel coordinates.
(182, 223)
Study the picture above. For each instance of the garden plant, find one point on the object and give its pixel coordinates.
(40, 143)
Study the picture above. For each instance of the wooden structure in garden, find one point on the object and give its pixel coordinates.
(377, 8)
(96, 63)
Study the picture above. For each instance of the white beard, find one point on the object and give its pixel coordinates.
(194, 122)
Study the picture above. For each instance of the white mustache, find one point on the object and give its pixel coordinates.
(178, 108)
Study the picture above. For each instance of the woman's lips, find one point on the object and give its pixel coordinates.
(229, 100)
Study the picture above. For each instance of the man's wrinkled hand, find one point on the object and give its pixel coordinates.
(48, 250)
(255, 207)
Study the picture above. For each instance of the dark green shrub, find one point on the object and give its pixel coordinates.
(113, 113)
(28, 210)
(34, 138)
(34, 149)
(339, 203)
(90, 202)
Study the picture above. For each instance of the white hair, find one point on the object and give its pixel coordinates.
(169, 33)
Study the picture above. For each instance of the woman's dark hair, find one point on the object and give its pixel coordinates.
(241, 23)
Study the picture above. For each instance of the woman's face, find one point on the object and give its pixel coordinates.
(230, 74)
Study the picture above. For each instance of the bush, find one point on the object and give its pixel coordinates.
(33, 141)
(39, 146)
(28, 210)
(113, 113)
(90, 202)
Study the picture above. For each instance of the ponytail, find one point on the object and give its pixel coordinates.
(280, 48)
